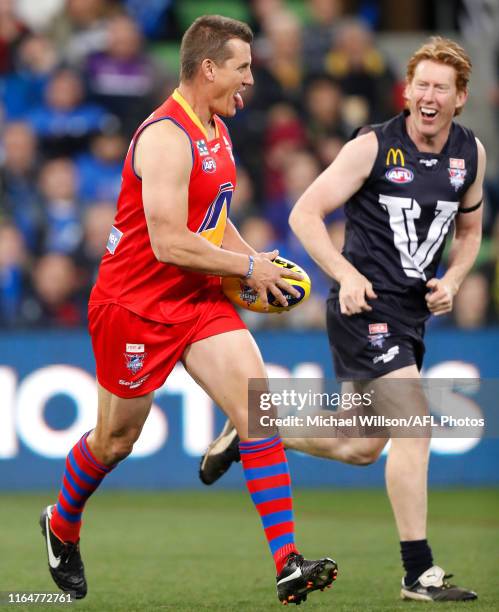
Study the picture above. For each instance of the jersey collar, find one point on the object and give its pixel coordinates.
(179, 98)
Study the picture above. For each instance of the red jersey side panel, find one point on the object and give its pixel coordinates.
(130, 274)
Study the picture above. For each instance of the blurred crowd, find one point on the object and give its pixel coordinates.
(78, 76)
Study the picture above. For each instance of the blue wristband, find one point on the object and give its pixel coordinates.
(251, 266)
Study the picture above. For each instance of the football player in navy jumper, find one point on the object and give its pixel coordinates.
(405, 184)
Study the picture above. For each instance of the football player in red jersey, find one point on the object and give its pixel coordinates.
(158, 300)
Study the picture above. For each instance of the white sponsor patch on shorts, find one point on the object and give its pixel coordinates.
(133, 384)
(134, 348)
(390, 354)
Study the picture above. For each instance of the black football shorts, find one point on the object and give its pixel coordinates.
(372, 344)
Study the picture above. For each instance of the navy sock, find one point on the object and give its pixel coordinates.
(416, 558)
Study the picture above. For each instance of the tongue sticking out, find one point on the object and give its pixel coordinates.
(239, 100)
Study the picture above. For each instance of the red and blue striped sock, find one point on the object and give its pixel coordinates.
(267, 477)
(83, 474)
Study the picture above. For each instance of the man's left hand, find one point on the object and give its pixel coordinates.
(440, 297)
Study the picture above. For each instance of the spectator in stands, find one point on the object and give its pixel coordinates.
(154, 18)
(258, 230)
(490, 270)
(243, 201)
(98, 218)
(99, 169)
(280, 61)
(262, 10)
(299, 169)
(36, 61)
(12, 31)
(55, 299)
(248, 126)
(66, 122)
(61, 208)
(318, 34)
(327, 130)
(81, 29)
(284, 134)
(323, 104)
(247, 130)
(19, 198)
(361, 69)
(38, 15)
(123, 77)
(13, 274)
(491, 212)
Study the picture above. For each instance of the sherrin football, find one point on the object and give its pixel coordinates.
(241, 295)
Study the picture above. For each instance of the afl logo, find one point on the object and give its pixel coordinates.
(399, 175)
(209, 165)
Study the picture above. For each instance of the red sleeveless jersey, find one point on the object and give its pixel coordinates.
(129, 274)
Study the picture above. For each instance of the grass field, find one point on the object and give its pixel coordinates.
(189, 551)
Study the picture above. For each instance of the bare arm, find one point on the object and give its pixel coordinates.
(344, 177)
(233, 240)
(164, 161)
(465, 245)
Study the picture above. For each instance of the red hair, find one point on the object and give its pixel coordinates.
(443, 51)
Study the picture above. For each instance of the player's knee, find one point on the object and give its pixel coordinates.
(119, 449)
(116, 446)
(359, 455)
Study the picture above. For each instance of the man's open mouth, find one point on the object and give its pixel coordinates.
(428, 113)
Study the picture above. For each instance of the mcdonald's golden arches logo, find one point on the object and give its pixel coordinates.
(393, 156)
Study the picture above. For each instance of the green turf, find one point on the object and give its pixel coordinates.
(189, 551)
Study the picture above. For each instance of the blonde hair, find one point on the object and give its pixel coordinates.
(443, 51)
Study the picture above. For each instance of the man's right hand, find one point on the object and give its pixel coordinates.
(270, 277)
(355, 289)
